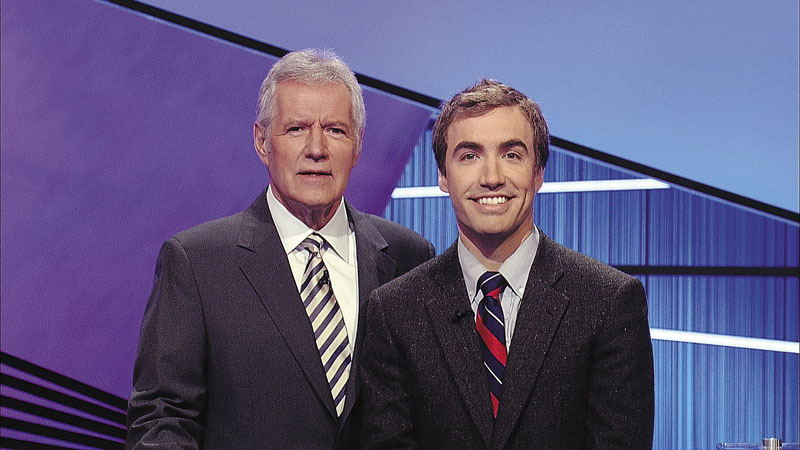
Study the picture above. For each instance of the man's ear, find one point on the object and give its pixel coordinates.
(538, 179)
(358, 149)
(442, 182)
(260, 142)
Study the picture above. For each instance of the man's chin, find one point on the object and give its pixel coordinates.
(488, 233)
(494, 232)
(315, 202)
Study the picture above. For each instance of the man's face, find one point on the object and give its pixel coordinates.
(312, 147)
(492, 176)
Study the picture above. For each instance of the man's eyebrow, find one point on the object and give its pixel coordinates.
(511, 143)
(291, 121)
(469, 145)
(335, 123)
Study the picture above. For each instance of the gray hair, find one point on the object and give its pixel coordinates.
(312, 67)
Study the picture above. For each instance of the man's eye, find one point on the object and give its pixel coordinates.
(469, 156)
(512, 155)
(336, 131)
(295, 129)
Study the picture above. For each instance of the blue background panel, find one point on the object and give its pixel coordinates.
(707, 394)
(759, 307)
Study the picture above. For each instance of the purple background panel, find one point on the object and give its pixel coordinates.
(118, 131)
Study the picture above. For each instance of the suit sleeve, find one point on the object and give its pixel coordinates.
(387, 398)
(621, 393)
(431, 250)
(167, 405)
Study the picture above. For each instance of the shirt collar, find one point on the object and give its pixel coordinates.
(515, 269)
(293, 231)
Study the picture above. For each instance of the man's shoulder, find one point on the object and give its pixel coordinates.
(225, 230)
(419, 278)
(392, 231)
(212, 234)
(582, 271)
(404, 245)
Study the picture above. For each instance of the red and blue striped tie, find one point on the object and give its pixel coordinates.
(491, 328)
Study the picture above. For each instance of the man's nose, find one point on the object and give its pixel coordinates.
(491, 175)
(315, 145)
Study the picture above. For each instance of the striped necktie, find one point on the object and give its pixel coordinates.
(326, 320)
(491, 328)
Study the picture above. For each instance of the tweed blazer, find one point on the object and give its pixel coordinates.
(579, 373)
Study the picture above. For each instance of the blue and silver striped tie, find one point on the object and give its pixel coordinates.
(326, 320)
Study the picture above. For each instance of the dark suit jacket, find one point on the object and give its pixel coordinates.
(227, 357)
(579, 372)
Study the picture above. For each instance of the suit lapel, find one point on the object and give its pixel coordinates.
(375, 267)
(540, 314)
(263, 261)
(454, 325)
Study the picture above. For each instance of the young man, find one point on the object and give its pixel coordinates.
(507, 340)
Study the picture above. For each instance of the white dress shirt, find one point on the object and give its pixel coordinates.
(339, 256)
(515, 270)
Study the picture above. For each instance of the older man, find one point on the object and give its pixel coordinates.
(507, 340)
(250, 336)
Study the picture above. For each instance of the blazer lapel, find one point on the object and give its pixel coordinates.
(375, 267)
(454, 325)
(540, 314)
(263, 261)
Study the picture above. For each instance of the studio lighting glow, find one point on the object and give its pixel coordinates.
(725, 340)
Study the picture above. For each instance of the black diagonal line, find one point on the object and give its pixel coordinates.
(239, 39)
(64, 399)
(674, 179)
(15, 444)
(63, 381)
(725, 271)
(56, 433)
(63, 417)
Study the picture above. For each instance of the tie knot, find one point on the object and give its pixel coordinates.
(492, 284)
(313, 243)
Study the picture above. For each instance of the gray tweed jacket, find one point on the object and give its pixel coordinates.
(579, 373)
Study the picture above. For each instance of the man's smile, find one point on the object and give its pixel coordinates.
(497, 200)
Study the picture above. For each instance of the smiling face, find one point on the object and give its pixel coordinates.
(492, 177)
(311, 149)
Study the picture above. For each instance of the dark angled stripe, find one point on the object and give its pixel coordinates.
(63, 417)
(63, 435)
(201, 27)
(434, 102)
(265, 48)
(14, 444)
(63, 381)
(340, 371)
(675, 179)
(725, 271)
(331, 338)
(398, 91)
(64, 399)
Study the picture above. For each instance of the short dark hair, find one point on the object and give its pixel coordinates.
(482, 97)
